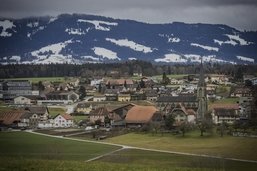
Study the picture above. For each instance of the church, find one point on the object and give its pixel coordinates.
(190, 108)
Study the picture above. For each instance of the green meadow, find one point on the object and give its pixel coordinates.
(25, 151)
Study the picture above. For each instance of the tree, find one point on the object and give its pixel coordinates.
(204, 125)
(142, 84)
(165, 79)
(222, 128)
(169, 121)
(41, 87)
(100, 88)
(184, 127)
(82, 92)
(107, 121)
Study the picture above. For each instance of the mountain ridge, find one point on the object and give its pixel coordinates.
(80, 38)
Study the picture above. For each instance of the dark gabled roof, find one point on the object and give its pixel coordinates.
(101, 111)
(26, 115)
(111, 91)
(31, 97)
(37, 109)
(177, 99)
(225, 112)
(83, 105)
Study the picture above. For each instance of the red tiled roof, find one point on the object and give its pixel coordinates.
(140, 114)
(67, 116)
(10, 117)
(119, 81)
(225, 106)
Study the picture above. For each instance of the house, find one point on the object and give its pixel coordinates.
(217, 78)
(84, 108)
(99, 98)
(137, 96)
(60, 97)
(118, 114)
(225, 113)
(29, 120)
(181, 114)
(124, 97)
(21, 100)
(27, 100)
(111, 94)
(151, 95)
(41, 111)
(245, 107)
(138, 116)
(96, 82)
(63, 121)
(241, 92)
(14, 88)
(33, 116)
(98, 114)
(11, 118)
(116, 83)
(165, 103)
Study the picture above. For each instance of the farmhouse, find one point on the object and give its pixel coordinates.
(84, 108)
(138, 116)
(63, 120)
(11, 118)
(225, 113)
(60, 97)
(124, 97)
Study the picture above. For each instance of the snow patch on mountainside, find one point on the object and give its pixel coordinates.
(33, 24)
(90, 57)
(209, 58)
(171, 38)
(6, 24)
(233, 40)
(98, 24)
(171, 58)
(130, 44)
(105, 53)
(74, 31)
(16, 58)
(52, 19)
(205, 47)
(51, 54)
(238, 39)
(242, 58)
(131, 58)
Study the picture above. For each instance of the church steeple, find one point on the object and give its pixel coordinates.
(201, 82)
(201, 95)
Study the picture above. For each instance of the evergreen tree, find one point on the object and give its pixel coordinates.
(82, 92)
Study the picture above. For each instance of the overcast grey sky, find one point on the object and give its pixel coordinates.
(241, 14)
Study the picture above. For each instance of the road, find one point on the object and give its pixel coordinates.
(122, 147)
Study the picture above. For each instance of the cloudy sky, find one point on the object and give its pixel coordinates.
(241, 14)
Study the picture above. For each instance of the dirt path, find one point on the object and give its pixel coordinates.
(122, 147)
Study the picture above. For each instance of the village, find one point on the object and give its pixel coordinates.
(137, 103)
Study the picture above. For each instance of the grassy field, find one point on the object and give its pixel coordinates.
(24, 151)
(55, 111)
(37, 79)
(233, 147)
(26, 145)
(230, 100)
(163, 161)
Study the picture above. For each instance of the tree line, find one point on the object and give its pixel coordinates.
(119, 69)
